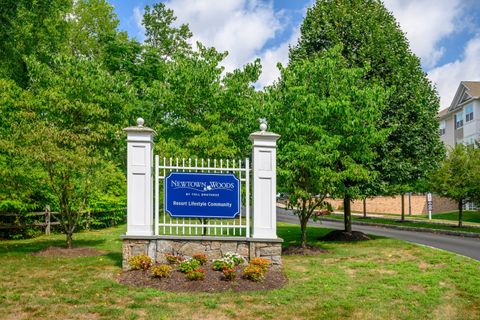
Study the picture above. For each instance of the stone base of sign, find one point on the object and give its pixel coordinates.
(213, 247)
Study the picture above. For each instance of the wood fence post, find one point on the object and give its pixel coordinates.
(47, 219)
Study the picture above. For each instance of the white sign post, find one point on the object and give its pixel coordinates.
(429, 205)
(139, 180)
(264, 155)
(186, 231)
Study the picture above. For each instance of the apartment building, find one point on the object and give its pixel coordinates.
(460, 122)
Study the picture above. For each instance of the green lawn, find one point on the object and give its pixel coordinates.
(419, 224)
(467, 216)
(378, 279)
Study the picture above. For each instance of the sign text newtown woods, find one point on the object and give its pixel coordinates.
(202, 195)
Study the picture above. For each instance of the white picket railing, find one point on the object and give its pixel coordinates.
(167, 225)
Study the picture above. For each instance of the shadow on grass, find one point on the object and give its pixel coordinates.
(291, 235)
(115, 257)
(37, 245)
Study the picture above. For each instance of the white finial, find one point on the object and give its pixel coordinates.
(140, 122)
(263, 124)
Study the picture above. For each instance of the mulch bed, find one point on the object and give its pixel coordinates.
(307, 251)
(340, 235)
(213, 281)
(68, 253)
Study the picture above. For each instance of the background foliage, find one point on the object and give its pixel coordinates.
(70, 81)
(357, 113)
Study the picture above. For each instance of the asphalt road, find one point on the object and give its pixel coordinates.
(469, 247)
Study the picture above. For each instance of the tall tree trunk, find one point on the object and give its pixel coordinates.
(69, 240)
(403, 207)
(303, 228)
(460, 212)
(347, 214)
(365, 207)
(409, 204)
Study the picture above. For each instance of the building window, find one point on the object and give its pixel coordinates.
(469, 113)
(443, 125)
(458, 120)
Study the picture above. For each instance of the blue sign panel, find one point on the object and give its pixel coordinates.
(202, 195)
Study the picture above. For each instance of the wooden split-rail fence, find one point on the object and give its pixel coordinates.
(48, 220)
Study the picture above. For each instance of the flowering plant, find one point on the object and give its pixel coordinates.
(229, 274)
(263, 263)
(236, 258)
(161, 271)
(196, 274)
(253, 273)
(200, 258)
(221, 264)
(229, 260)
(142, 261)
(188, 265)
(173, 259)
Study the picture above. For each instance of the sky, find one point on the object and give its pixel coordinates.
(445, 34)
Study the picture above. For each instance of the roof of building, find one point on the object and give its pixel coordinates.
(466, 91)
(473, 88)
(442, 113)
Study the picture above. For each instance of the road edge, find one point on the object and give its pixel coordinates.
(415, 229)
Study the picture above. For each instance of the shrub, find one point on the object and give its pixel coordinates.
(236, 258)
(221, 264)
(263, 263)
(161, 271)
(229, 260)
(173, 259)
(322, 212)
(253, 273)
(188, 265)
(142, 261)
(200, 258)
(196, 274)
(229, 274)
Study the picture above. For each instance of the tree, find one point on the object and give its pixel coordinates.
(196, 108)
(31, 28)
(326, 115)
(92, 25)
(162, 34)
(69, 86)
(370, 35)
(458, 176)
(66, 125)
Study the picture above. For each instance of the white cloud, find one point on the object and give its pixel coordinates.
(245, 28)
(137, 18)
(426, 23)
(241, 27)
(448, 76)
(272, 56)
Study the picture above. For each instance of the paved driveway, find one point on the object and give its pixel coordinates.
(469, 247)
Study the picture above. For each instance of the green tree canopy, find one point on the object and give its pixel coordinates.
(458, 176)
(70, 81)
(370, 35)
(327, 116)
